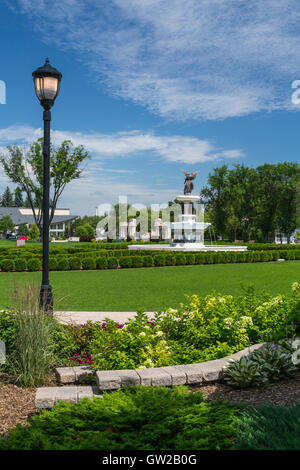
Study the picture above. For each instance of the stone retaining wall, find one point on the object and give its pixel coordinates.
(186, 374)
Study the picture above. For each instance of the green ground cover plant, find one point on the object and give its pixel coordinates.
(272, 362)
(268, 428)
(139, 418)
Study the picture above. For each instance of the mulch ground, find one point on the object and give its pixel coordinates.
(284, 393)
(17, 403)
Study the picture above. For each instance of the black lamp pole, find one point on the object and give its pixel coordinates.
(46, 297)
(47, 82)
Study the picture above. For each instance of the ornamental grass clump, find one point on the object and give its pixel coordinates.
(32, 357)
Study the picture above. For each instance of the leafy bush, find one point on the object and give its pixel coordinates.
(7, 329)
(62, 264)
(7, 264)
(74, 263)
(125, 261)
(159, 260)
(270, 363)
(101, 262)
(34, 264)
(200, 258)
(20, 264)
(136, 344)
(180, 259)
(147, 261)
(52, 263)
(170, 260)
(112, 262)
(137, 262)
(268, 428)
(138, 418)
(89, 263)
(86, 238)
(190, 259)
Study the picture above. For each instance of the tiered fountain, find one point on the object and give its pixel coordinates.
(188, 231)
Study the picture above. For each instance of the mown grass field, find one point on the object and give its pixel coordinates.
(154, 288)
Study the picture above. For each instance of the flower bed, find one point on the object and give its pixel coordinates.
(203, 329)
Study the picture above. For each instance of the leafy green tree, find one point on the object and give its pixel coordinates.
(18, 198)
(86, 229)
(27, 203)
(6, 224)
(34, 232)
(215, 196)
(65, 166)
(289, 197)
(23, 230)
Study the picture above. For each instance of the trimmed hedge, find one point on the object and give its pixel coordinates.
(147, 261)
(74, 263)
(159, 260)
(112, 262)
(7, 264)
(137, 262)
(62, 264)
(125, 262)
(34, 264)
(101, 262)
(20, 264)
(89, 263)
(103, 259)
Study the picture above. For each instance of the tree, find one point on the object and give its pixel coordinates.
(18, 199)
(242, 198)
(23, 230)
(215, 197)
(6, 224)
(7, 198)
(86, 229)
(27, 202)
(65, 162)
(34, 232)
(289, 198)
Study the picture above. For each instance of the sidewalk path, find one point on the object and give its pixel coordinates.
(82, 317)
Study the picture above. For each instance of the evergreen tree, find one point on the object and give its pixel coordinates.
(7, 198)
(18, 198)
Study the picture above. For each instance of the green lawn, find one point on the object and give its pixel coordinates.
(154, 288)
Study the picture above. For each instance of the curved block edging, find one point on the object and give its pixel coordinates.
(209, 371)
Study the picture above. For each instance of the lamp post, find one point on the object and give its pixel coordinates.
(47, 83)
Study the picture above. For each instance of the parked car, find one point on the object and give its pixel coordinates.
(11, 236)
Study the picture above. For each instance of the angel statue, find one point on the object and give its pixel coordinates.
(188, 182)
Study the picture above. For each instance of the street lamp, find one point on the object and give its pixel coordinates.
(46, 82)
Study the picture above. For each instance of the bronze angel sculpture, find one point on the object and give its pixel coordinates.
(188, 182)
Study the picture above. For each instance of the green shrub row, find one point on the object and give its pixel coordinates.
(271, 246)
(65, 263)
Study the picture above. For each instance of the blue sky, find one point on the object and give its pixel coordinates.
(152, 86)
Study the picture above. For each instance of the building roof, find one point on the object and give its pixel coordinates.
(15, 213)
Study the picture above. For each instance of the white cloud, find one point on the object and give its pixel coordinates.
(173, 148)
(102, 184)
(207, 59)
